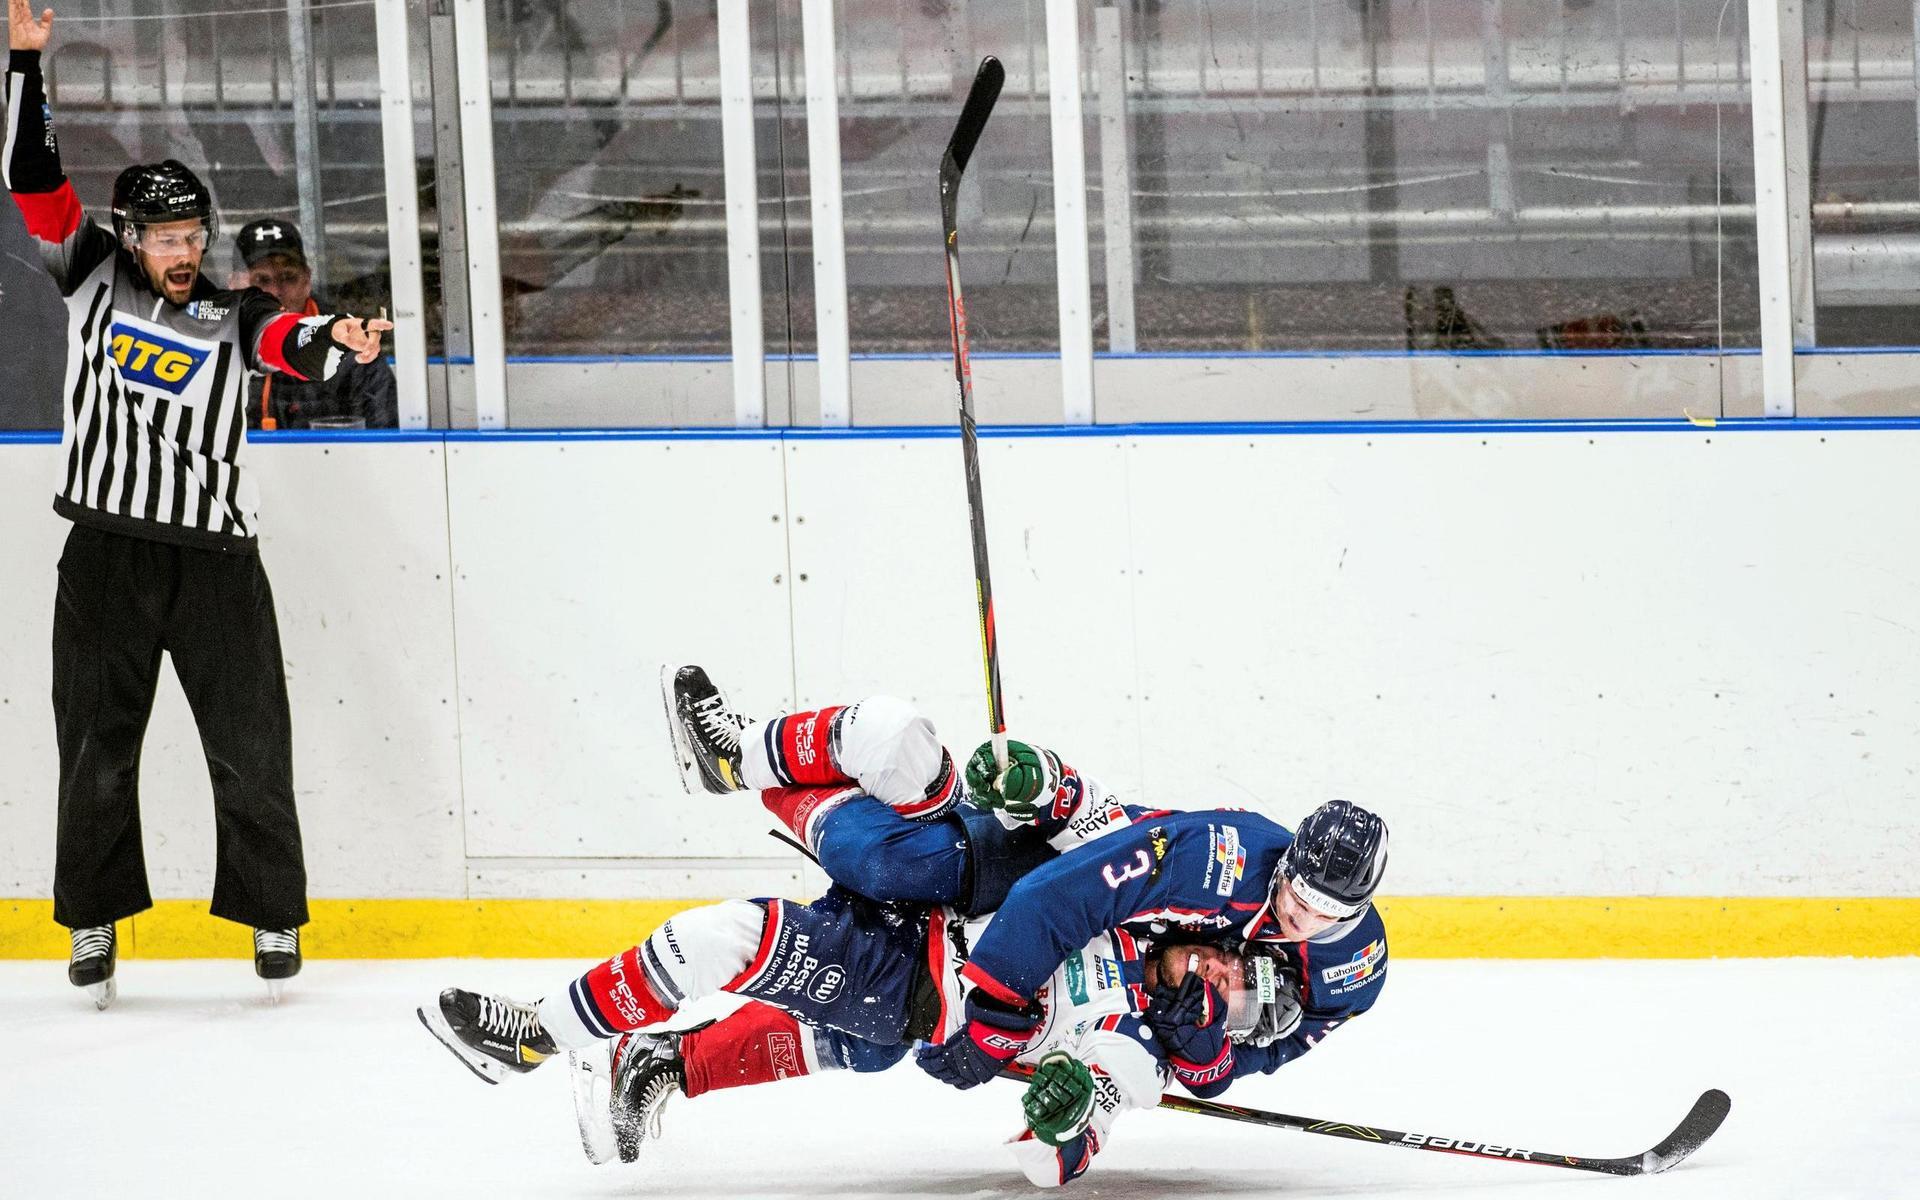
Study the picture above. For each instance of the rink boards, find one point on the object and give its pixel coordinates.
(1569, 663)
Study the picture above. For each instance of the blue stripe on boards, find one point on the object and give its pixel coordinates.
(1141, 430)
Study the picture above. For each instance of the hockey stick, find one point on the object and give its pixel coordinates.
(1700, 1123)
(966, 133)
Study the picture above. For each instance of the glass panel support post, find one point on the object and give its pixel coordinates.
(1799, 173)
(481, 214)
(1070, 211)
(824, 197)
(1770, 208)
(743, 215)
(450, 403)
(1116, 178)
(406, 293)
(306, 139)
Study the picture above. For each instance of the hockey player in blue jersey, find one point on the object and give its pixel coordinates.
(1195, 874)
(868, 790)
(847, 777)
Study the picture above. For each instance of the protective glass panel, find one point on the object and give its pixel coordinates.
(1497, 177)
(906, 66)
(1864, 166)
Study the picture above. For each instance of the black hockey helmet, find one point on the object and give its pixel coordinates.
(155, 193)
(1338, 855)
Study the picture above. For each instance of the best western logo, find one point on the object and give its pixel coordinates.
(148, 359)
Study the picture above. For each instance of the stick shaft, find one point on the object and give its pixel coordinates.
(966, 134)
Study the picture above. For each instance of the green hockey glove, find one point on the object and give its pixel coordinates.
(1023, 789)
(1059, 1099)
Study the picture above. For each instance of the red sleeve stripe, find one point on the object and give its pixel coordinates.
(991, 986)
(273, 344)
(50, 216)
(936, 944)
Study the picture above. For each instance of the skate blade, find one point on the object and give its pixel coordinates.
(683, 759)
(275, 988)
(488, 1070)
(103, 993)
(593, 1105)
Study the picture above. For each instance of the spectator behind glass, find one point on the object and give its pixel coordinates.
(276, 263)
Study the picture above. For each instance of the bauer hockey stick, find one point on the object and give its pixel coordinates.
(966, 133)
(1694, 1129)
(1700, 1123)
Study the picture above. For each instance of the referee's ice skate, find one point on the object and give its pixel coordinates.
(95, 951)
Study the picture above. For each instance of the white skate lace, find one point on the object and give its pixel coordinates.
(721, 725)
(95, 941)
(276, 941)
(517, 1021)
(653, 1101)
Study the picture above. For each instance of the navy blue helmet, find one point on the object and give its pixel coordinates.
(1338, 854)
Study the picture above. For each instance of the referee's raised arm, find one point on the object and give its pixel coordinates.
(70, 245)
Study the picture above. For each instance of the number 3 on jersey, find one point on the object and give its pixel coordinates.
(1141, 864)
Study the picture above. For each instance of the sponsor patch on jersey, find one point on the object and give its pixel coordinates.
(784, 1055)
(200, 310)
(826, 984)
(1231, 858)
(1359, 967)
(156, 358)
(1109, 972)
(1076, 979)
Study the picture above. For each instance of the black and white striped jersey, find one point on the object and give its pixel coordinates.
(154, 400)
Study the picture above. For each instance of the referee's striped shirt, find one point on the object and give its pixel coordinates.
(155, 397)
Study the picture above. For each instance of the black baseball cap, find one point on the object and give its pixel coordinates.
(258, 239)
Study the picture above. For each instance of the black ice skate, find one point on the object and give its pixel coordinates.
(95, 949)
(276, 958)
(647, 1072)
(706, 730)
(492, 1035)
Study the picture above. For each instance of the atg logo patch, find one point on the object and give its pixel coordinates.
(1360, 966)
(151, 358)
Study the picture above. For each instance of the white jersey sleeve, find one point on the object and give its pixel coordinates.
(1093, 1007)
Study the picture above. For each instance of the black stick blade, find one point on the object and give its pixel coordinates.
(973, 118)
(1700, 1123)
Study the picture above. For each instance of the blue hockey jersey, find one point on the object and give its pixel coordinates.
(1205, 873)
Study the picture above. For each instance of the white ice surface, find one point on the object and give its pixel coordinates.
(193, 1086)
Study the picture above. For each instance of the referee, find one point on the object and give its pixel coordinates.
(163, 554)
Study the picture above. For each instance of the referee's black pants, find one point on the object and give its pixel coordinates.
(122, 600)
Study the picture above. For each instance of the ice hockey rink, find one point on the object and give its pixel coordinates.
(194, 1086)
